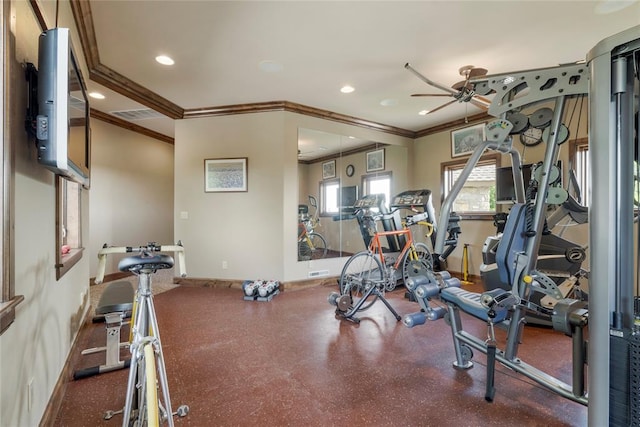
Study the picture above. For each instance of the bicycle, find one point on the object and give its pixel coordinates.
(370, 273)
(147, 401)
(311, 245)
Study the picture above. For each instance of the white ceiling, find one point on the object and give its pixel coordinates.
(322, 45)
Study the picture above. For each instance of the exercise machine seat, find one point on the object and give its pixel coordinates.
(470, 303)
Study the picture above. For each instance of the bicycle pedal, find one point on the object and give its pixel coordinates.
(344, 303)
(182, 411)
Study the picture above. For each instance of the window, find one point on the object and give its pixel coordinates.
(581, 168)
(69, 234)
(477, 198)
(378, 184)
(329, 197)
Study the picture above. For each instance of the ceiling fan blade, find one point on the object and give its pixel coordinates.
(480, 103)
(431, 94)
(430, 82)
(442, 106)
(482, 99)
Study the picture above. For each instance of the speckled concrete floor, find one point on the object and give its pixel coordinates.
(291, 362)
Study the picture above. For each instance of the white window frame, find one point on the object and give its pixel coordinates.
(366, 184)
(327, 207)
(446, 183)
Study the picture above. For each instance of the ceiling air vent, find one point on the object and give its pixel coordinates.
(133, 115)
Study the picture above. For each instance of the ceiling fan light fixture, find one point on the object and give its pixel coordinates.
(164, 60)
(347, 89)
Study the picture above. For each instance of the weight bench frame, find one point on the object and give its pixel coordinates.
(115, 305)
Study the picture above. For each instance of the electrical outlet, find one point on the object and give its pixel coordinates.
(224, 265)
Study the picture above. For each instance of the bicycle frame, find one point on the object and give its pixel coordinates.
(144, 328)
(304, 235)
(408, 249)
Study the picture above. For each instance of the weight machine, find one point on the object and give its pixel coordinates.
(611, 77)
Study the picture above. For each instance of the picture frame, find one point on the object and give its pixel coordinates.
(375, 160)
(464, 141)
(329, 169)
(225, 175)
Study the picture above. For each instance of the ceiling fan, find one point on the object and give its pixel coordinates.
(461, 91)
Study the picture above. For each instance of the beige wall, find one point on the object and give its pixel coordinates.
(34, 348)
(254, 232)
(131, 191)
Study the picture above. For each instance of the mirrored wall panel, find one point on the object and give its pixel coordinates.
(335, 171)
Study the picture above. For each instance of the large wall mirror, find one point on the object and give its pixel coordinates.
(334, 171)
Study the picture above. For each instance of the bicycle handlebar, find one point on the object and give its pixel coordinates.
(151, 247)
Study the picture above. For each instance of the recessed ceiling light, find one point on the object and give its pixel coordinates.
(347, 89)
(390, 102)
(424, 112)
(605, 7)
(270, 66)
(164, 60)
(96, 95)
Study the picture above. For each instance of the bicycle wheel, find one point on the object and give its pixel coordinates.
(361, 271)
(304, 250)
(422, 262)
(319, 246)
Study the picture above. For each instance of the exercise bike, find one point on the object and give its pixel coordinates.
(147, 399)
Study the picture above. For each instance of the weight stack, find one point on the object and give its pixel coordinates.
(624, 388)
(620, 379)
(634, 375)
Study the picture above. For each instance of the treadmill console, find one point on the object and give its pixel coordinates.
(412, 199)
(370, 201)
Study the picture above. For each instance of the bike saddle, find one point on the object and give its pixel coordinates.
(137, 263)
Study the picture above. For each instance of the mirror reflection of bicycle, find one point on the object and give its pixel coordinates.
(311, 244)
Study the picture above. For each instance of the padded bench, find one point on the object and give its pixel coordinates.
(115, 304)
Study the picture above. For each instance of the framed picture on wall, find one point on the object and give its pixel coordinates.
(225, 175)
(375, 160)
(464, 141)
(329, 169)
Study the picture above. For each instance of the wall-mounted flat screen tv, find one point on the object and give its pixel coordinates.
(348, 196)
(62, 123)
(505, 189)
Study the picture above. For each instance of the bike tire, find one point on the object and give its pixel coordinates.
(360, 271)
(319, 246)
(304, 250)
(419, 266)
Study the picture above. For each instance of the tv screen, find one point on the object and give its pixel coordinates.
(505, 189)
(348, 196)
(62, 123)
